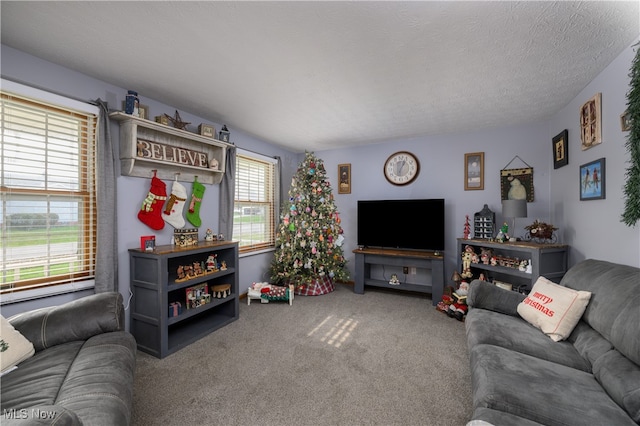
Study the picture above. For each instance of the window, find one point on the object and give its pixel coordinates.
(47, 193)
(254, 207)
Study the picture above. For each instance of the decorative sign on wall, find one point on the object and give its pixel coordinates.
(171, 154)
(517, 184)
(591, 122)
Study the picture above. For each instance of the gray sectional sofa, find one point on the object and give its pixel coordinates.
(522, 377)
(83, 368)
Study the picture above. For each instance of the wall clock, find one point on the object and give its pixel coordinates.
(401, 168)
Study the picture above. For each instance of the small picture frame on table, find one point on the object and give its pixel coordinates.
(561, 149)
(592, 180)
(148, 242)
(344, 177)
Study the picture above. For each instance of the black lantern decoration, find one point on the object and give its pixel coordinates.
(484, 224)
(224, 134)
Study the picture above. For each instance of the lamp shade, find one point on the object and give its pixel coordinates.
(514, 208)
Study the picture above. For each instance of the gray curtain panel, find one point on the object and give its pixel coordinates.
(227, 195)
(107, 247)
(278, 189)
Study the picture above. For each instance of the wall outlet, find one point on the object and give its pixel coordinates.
(405, 270)
(412, 270)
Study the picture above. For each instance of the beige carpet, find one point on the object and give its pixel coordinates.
(382, 358)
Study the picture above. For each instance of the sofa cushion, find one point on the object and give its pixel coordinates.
(99, 383)
(613, 309)
(488, 327)
(621, 379)
(485, 295)
(14, 347)
(588, 342)
(72, 321)
(39, 378)
(539, 390)
(554, 309)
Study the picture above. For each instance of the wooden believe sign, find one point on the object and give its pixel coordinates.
(171, 154)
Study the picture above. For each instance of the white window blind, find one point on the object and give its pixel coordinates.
(254, 208)
(47, 189)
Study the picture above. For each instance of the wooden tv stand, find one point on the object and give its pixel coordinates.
(434, 261)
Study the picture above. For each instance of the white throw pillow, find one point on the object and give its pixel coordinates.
(554, 309)
(14, 347)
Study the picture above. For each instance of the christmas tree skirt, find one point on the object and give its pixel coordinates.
(317, 286)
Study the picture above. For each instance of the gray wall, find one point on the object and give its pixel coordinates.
(592, 228)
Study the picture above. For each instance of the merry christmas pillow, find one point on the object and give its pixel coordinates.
(554, 309)
(14, 347)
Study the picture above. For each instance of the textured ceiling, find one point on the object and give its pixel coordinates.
(321, 75)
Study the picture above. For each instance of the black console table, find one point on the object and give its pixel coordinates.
(365, 257)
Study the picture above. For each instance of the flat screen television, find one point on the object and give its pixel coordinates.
(404, 224)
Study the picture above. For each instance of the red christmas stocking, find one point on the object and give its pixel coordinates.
(193, 215)
(151, 212)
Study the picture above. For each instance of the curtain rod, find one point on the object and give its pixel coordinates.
(276, 157)
(14, 80)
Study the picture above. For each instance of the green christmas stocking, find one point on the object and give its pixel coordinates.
(193, 214)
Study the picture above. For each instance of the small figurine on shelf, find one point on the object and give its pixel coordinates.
(181, 274)
(208, 235)
(212, 264)
(223, 266)
(485, 255)
(467, 254)
(466, 233)
(394, 280)
(197, 269)
(503, 235)
(188, 272)
(523, 265)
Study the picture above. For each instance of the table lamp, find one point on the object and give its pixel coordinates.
(514, 209)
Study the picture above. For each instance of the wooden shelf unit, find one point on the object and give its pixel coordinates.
(365, 257)
(547, 260)
(134, 128)
(154, 287)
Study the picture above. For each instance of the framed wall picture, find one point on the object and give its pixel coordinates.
(560, 149)
(591, 122)
(517, 184)
(625, 121)
(592, 180)
(474, 171)
(344, 177)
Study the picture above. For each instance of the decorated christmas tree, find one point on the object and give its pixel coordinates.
(309, 239)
